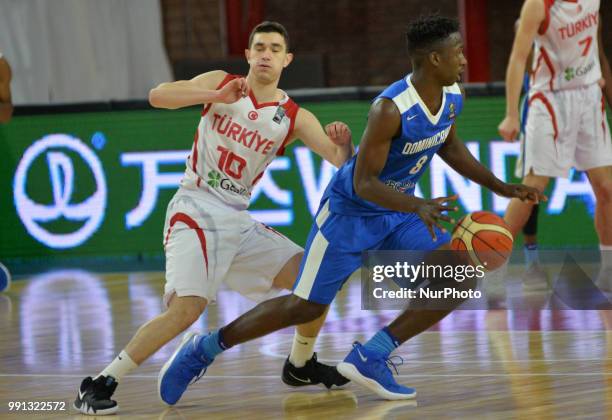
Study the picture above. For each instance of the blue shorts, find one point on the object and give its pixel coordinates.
(336, 241)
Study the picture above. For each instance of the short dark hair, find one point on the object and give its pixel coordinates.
(267, 27)
(424, 33)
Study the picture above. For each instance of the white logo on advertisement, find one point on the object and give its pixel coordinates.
(61, 176)
(152, 180)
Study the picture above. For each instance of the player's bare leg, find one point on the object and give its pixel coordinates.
(198, 352)
(181, 313)
(412, 322)
(285, 280)
(518, 211)
(601, 181)
(94, 395)
(301, 367)
(535, 276)
(359, 364)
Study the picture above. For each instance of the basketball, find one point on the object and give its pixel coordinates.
(485, 237)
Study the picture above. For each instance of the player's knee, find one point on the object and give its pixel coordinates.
(187, 313)
(535, 181)
(603, 190)
(302, 311)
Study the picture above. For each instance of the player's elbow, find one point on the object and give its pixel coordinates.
(155, 98)
(362, 187)
(301, 311)
(159, 99)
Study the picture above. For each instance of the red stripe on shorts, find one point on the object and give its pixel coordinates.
(182, 217)
(550, 109)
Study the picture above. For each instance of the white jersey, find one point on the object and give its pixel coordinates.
(566, 47)
(233, 145)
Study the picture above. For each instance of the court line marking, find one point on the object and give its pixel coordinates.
(416, 375)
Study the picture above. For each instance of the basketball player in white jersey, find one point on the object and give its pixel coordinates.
(209, 237)
(566, 124)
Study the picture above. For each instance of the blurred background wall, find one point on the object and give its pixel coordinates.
(82, 50)
(92, 50)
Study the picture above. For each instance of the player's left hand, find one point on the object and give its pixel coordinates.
(509, 128)
(522, 192)
(338, 132)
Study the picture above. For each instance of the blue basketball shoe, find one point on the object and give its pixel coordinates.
(185, 367)
(371, 369)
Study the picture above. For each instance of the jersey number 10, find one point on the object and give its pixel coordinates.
(231, 163)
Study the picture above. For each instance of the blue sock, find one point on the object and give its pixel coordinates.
(383, 342)
(531, 255)
(211, 345)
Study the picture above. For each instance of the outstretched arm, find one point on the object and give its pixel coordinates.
(201, 89)
(461, 160)
(334, 144)
(6, 105)
(532, 16)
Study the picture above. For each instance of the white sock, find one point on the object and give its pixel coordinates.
(301, 350)
(118, 368)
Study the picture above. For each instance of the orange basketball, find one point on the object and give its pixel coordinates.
(485, 237)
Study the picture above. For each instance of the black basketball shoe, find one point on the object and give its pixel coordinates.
(93, 397)
(312, 373)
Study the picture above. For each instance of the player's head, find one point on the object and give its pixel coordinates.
(435, 44)
(268, 53)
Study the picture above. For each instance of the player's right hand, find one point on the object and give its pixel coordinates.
(509, 128)
(431, 213)
(233, 91)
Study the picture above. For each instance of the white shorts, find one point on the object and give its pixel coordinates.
(566, 129)
(207, 242)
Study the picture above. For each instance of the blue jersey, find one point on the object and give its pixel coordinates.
(410, 154)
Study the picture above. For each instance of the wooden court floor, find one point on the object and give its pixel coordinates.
(58, 327)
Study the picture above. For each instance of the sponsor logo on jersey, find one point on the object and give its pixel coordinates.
(214, 179)
(571, 72)
(428, 143)
(253, 115)
(217, 180)
(400, 186)
(451, 111)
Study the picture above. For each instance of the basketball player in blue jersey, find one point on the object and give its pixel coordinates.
(370, 205)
